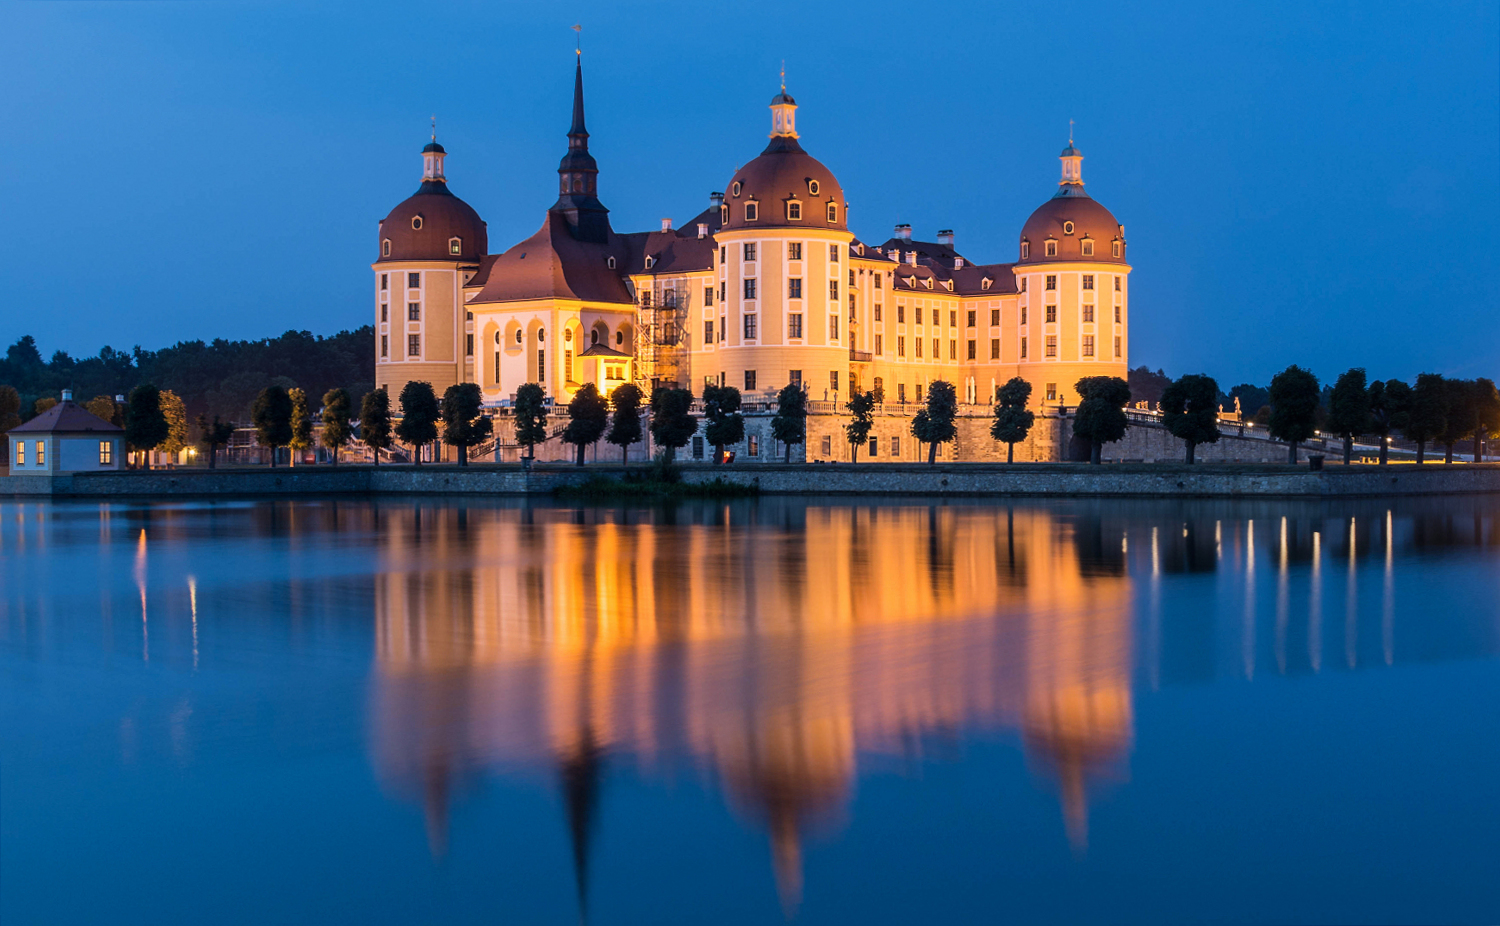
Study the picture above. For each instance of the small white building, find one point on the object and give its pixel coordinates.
(66, 438)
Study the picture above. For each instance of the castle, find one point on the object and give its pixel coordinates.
(765, 287)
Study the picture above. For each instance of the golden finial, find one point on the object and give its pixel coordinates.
(434, 127)
(578, 28)
(783, 75)
(1070, 132)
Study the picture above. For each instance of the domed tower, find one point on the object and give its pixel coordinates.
(1074, 292)
(429, 246)
(782, 268)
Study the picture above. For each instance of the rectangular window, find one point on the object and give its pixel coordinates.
(794, 212)
(414, 280)
(541, 365)
(827, 445)
(1051, 281)
(917, 315)
(1117, 281)
(568, 366)
(750, 289)
(1023, 284)
(953, 348)
(1116, 246)
(874, 446)
(1023, 315)
(1088, 313)
(794, 377)
(973, 349)
(833, 253)
(1088, 247)
(833, 290)
(794, 325)
(1117, 345)
(937, 351)
(496, 368)
(1052, 392)
(468, 345)
(385, 312)
(723, 254)
(896, 444)
(753, 443)
(851, 277)
(414, 311)
(919, 342)
(697, 447)
(794, 288)
(385, 345)
(900, 394)
(879, 342)
(750, 384)
(708, 295)
(919, 392)
(794, 250)
(414, 345)
(749, 252)
(953, 319)
(20, 453)
(1051, 345)
(722, 291)
(1023, 348)
(752, 212)
(1088, 281)
(723, 328)
(879, 280)
(900, 314)
(994, 348)
(1088, 345)
(877, 311)
(1051, 314)
(1051, 249)
(973, 316)
(385, 280)
(833, 327)
(106, 452)
(1117, 315)
(41, 453)
(833, 380)
(708, 333)
(994, 318)
(900, 346)
(750, 328)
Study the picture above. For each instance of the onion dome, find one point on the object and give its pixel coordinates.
(1072, 226)
(433, 224)
(785, 187)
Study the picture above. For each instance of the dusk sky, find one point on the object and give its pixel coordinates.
(1309, 183)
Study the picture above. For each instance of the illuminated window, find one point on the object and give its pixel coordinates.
(20, 453)
(106, 452)
(455, 245)
(753, 441)
(41, 453)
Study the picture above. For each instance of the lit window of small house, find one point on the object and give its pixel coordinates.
(106, 452)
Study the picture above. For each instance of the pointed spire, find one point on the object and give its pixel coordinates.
(578, 175)
(578, 129)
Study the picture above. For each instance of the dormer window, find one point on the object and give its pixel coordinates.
(1117, 247)
(985, 283)
(752, 211)
(948, 285)
(455, 245)
(833, 212)
(416, 223)
(723, 215)
(1051, 250)
(385, 247)
(1067, 228)
(793, 210)
(1025, 249)
(927, 282)
(1087, 244)
(812, 187)
(610, 263)
(736, 188)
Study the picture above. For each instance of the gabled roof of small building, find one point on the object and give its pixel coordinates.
(66, 418)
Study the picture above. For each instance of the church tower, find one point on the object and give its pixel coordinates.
(578, 177)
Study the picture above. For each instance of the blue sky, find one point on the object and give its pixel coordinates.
(1308, 183)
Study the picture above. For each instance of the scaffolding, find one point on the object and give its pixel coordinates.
(661, 334)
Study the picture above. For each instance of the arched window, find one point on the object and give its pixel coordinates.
(541, 335)
(1025, 249)
(385, 247)
(594, 337)
(518, 335)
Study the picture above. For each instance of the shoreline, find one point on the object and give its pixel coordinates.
(1081, 480)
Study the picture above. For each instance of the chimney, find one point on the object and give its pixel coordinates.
(666, 225)
(715, 200)
(67, 395)
(702, 229)
(945, 236)
(911, 256)
(903, 232)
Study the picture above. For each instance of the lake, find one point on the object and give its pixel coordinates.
(459, 710)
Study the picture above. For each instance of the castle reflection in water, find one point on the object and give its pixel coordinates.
(776, 646)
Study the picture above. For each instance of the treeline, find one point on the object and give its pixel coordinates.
(219, 377)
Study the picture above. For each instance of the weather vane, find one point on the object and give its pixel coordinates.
(434, 127)
(1070, 131)
(783, 75)
(579, 29)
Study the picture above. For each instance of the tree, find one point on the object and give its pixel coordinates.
(103, 406)
(625, 426)
(1294, 407)
(272, 416)
(1100, 418)
(1148, 386)
(375, 421)
(10, 408)
(1251, 398)
(1013, 419)
(1486, 411)
(175, 411)
(419, 417)
(43, 405)
(302, 436)
(336, 431)
(1349, 409)
(861, 407)
(215, 434)
(1459, 395)
(531, 417)
(588, 417)
(1428, 414)
(672, 422)
(1390, 410)
(145, 425)
(464, 423)
(1190, 410)
(936, 423)
(721, 408)
(789, 425)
